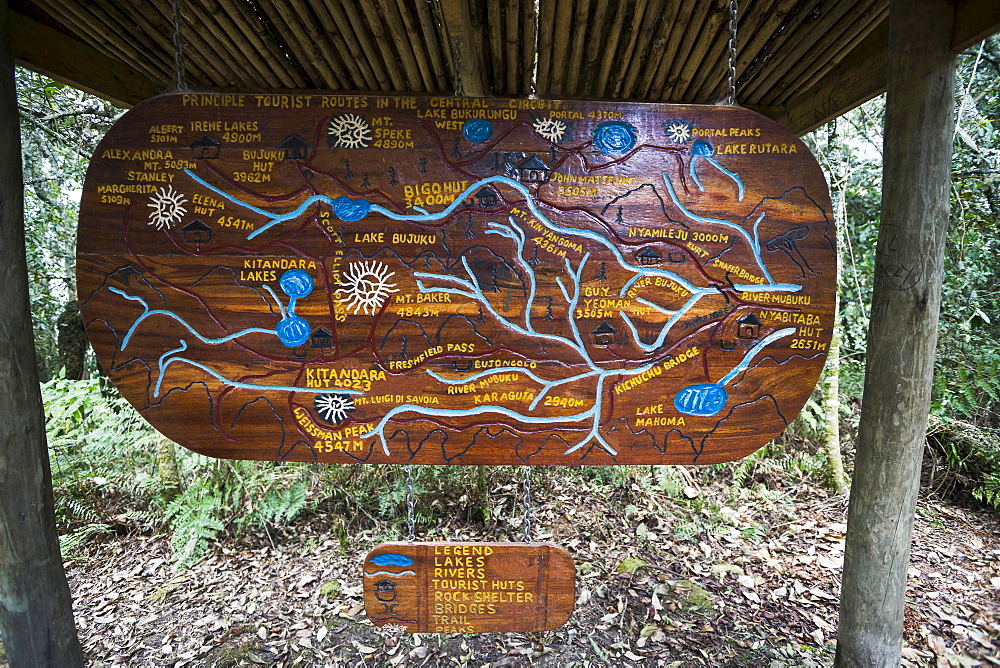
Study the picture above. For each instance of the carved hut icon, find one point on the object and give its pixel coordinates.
(648, 256)
(206, 148)
(321, 338)
(197, 232)
(532, 170)
(385, 590)
(295, 147)
(748, 327)
(487, 197)
(604, 334)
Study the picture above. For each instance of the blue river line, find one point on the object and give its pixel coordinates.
(763, 343)
(379, 429)
(352, 210)
(704, 149)
(753, 241)
(147, 313)
(281, 307)
(546, 384)
(223, 339)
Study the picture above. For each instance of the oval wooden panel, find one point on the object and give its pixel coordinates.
(469, 587)
(469, 281)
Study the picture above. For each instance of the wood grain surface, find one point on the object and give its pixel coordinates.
(469, 587)
(457, 280)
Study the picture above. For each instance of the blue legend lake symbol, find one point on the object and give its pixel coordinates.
(392, 559)
(614, 137)
(477, 130)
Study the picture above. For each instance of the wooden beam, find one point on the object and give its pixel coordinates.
(906, 300)
(975, 20)
(857, 78)
(66, 59)
(861, 75)
(465, 40)
(36, 611)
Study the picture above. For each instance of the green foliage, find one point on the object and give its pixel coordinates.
(223, 496)
(99, 451)
(989, 490)
(792, 457)
(965, 405)
(69, 542)
(60, 128)
(669, 480)
(104, 473)
(194, 517)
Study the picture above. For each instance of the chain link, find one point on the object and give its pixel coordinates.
(527, 504)
(410, 503)
(178, 47)
(733, 11)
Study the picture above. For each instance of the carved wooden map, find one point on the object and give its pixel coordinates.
(453, 280)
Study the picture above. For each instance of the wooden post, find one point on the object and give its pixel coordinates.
(36, 614)
(903, 331)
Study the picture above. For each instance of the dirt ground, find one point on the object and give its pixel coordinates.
(704, 577)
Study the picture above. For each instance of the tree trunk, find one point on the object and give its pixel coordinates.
(830, 388)
(72, 341)
(36, 614)
(830, 384)
(903, 331)
(166, 466)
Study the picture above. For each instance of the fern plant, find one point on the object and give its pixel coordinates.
(195, 519)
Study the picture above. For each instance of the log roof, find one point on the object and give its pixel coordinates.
(801, 62)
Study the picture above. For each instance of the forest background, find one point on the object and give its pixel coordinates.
(114, 475)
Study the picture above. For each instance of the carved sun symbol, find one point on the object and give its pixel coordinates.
(677, 131)
(366, 286)
(167, 207)
(350, 131)
(334, 407)
(550, 128)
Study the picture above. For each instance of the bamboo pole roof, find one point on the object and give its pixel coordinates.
(801, 62)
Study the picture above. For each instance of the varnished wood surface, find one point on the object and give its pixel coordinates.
(389, 279)
(469, 587)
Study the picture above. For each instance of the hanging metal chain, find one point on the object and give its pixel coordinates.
(733, 11)
(410, 503)
(178, 47)
(527, 504)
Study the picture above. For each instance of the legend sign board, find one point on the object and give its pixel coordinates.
(450, 280)
(469, 587)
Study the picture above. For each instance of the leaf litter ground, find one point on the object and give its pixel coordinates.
(708, 576)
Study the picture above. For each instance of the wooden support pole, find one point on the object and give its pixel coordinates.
(36, 613)
(903, 331)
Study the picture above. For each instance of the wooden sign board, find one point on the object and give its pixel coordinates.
(469, 281)
(469, 587)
